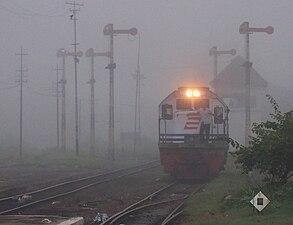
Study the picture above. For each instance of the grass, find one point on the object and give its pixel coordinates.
(225, 200)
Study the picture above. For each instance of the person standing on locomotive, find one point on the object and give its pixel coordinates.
(205, 123)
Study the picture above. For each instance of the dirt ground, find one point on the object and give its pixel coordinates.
(105, 198)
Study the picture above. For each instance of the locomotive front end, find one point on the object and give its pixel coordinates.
(193, 125)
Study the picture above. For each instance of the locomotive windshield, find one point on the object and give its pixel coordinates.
(201, 103)
(191, 104)
(183, 104)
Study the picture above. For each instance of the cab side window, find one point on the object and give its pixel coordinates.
(219, 115)
(167, 112)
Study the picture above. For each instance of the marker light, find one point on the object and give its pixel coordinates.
(196, 93)
(189, 93)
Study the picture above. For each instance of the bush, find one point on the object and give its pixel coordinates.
(270, 150)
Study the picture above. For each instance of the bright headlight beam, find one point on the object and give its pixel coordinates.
(196, 93)
(189, 93)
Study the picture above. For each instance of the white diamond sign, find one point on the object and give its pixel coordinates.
(260, 201)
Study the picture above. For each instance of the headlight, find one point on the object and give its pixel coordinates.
(189, 93)
(196, 93)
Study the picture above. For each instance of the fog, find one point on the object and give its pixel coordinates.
(175, 40)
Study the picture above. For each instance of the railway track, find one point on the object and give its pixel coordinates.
(17, 202)
(160, 207)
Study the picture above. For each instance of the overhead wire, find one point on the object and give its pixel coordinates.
(37, 92)
(33, 13)
(26, 12)
(6, 88)
(3, 8)
(7, 83)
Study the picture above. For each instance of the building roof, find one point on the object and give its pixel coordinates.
(233, 76)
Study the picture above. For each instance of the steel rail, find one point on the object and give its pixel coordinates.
(175, 213)
(143, 207)
(138, 169)
(73, 181)
(132, 208)
(149, 197)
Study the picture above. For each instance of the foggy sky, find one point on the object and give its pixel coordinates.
(176, 36)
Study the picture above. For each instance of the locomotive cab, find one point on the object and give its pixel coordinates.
(185, 150)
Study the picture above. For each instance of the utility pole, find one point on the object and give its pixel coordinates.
(79, 119)
(109, 31)
(63, 53)
(21, 81)
(73, 17)
(91, 54)
(57, 102)
(245, 29)
(137, 76)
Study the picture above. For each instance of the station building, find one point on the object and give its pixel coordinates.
(230, 85)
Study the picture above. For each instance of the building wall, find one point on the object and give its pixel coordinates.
(237, 115)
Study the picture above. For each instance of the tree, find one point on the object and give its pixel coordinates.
(271, 147)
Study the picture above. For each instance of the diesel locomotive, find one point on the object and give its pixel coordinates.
(192, 147)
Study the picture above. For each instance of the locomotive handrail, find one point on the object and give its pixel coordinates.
(189, 138)
(221, 101)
